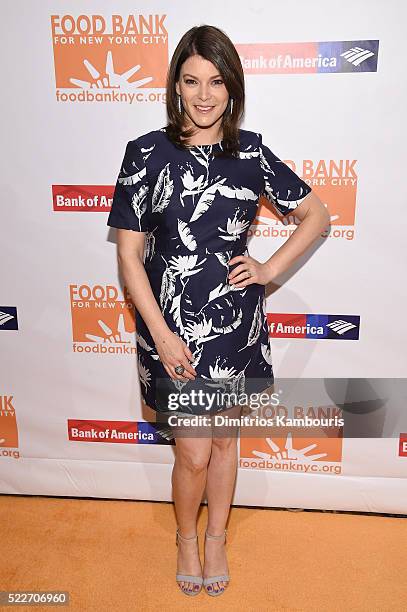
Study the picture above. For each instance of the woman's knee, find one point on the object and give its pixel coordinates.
(224, 444)
(193, 457)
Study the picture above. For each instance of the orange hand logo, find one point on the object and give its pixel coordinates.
(122, 336)
(289, 452)
(113, 79)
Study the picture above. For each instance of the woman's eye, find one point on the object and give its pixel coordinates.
(216, 81)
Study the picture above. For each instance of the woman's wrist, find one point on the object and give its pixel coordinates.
(158, 330)
(272, 265)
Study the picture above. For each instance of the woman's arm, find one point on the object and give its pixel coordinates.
(314, 218)
(171, 349)
(130, 251)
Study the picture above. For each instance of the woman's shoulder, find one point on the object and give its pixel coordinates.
(249, 138)
(150, 138)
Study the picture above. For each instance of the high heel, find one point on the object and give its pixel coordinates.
(195, 580)
(221, 578)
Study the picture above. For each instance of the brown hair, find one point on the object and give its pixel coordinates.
(215, 46)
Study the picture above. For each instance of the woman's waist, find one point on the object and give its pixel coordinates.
(177, 247)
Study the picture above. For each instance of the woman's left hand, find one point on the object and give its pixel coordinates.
(259, 272)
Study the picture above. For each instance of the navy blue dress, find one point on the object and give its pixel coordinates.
(196, 210)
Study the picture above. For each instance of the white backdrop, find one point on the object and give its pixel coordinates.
(63, 368)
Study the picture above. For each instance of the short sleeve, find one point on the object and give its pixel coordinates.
(130, 199)
(282, 186)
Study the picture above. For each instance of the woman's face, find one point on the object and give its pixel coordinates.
(203, 92)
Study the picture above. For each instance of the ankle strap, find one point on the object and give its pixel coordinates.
(222, 535)
(183, 538)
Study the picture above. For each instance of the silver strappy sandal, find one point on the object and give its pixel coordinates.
(212, 579)
(195, 580)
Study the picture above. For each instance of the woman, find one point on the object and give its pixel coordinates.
(193, 188)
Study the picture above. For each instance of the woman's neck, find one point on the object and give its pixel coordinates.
(206, 136)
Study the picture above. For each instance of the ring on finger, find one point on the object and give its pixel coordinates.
(179, 369)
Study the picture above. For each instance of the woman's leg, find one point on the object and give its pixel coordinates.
(221, 480)
(188, 482)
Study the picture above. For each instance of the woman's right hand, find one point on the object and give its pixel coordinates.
(173, 351)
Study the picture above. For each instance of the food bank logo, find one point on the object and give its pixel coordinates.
(8, 427)
(102, 320)
(335, 182)
(303, 449)
(109, 59)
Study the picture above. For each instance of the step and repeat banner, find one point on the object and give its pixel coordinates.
(327, 92)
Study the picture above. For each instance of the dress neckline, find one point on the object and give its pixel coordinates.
(205, 146)
(201, 146)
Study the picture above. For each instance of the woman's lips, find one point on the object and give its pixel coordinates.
(204, 109)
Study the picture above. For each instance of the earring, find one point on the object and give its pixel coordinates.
(179, 104)
(231, 105)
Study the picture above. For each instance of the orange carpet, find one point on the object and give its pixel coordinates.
(121, 556)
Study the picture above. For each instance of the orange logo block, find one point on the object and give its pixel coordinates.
(116, 52)
(102, 320)
(335, 183)
(8, 423)
(298, 448)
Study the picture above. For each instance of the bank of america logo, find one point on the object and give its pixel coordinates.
(8, 317)
(341, 327)
(357, 55)
(4, 317)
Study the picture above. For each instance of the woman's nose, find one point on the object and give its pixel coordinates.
(203, 93)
